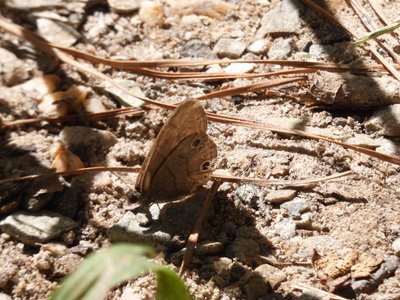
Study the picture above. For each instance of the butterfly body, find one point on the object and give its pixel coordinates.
(181, 158)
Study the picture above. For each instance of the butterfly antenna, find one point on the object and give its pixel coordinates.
(194, 236)
(115, 174)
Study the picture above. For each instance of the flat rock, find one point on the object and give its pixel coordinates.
(284, 18)
(271, 274)
(280, 196)
(258, 46)
(296, 207)
(286, 229)
(230, 48)
(208, 248)
(37, 227)
(244, 249)
(123, 98)
(280, 48)
(57, 32)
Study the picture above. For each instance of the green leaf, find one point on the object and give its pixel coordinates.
(170, 286)
(104, 270)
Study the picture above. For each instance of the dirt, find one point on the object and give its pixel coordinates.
(357, 214)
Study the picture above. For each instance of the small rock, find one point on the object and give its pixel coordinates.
(40, 192)
(248, 193)
(385, 121)
(231, 48)
(57, 32)
(239, 68)
(39, 227)
(85, 141)
(93, 105)
(196, 48)
(151, 13)
(389, 147)
(124, 6)
(280, 48)
(296, 207)
(306, 222)
(66, 264)
(258, 47)
(244, 249)
(385, 270)
(285, 229)
(204, 249)
(123, 98)
(396, 246)
(363, 140)
(322, 51)
(12, 69)
(222, 263)
(256, 288)
(271, 274)
(280, 196)
(284, 18)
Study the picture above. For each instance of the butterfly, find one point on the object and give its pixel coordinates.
(181, 158)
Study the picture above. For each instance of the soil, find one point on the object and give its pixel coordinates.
(357, 214)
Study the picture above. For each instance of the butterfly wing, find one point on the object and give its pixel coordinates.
(187, 168)
(187, 120)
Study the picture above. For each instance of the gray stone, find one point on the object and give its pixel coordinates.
(248, 193)
(280, 48)
(128, 229)
(85, 141)
(271, 274)
(385, 270)
(389, 147)
(286, 229)
(239, 68)
(322, 51)
(38, 227)
(296, 207)
(284, 18)
(123, 98)
(40, 192)
(57, 32)
(231, 48)
(280, 196)
(396, 246)
(197, 49)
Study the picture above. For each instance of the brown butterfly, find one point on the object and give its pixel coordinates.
(181, 158)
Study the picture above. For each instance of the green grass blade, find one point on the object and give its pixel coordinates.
(170, 286)
(377, 33)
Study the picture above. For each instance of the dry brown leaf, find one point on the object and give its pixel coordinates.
(64, 159)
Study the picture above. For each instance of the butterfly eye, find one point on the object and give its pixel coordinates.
(205, 166)
(196, 143)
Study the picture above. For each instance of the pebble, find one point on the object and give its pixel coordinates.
(196, 48)
(280, 196)
(66, 264)
(124, 6)
(271, 274)
(151, 13)
(248, 193)
(222, 263)
(244, 249)
(385, 270)
(296, 207)
(280, 48)
(40, 192)
(230, 48)
(258, 47)
(284, 18)
(239, 68)
(123, 98)
(37, 227)
(396, 246)
(204, 249)
(12, 69)
(286, 229)
(389, 147)
(322, 51)
(85, 141)
(57, 32)
(385, 121)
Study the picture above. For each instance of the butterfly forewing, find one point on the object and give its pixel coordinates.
(181, 158)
